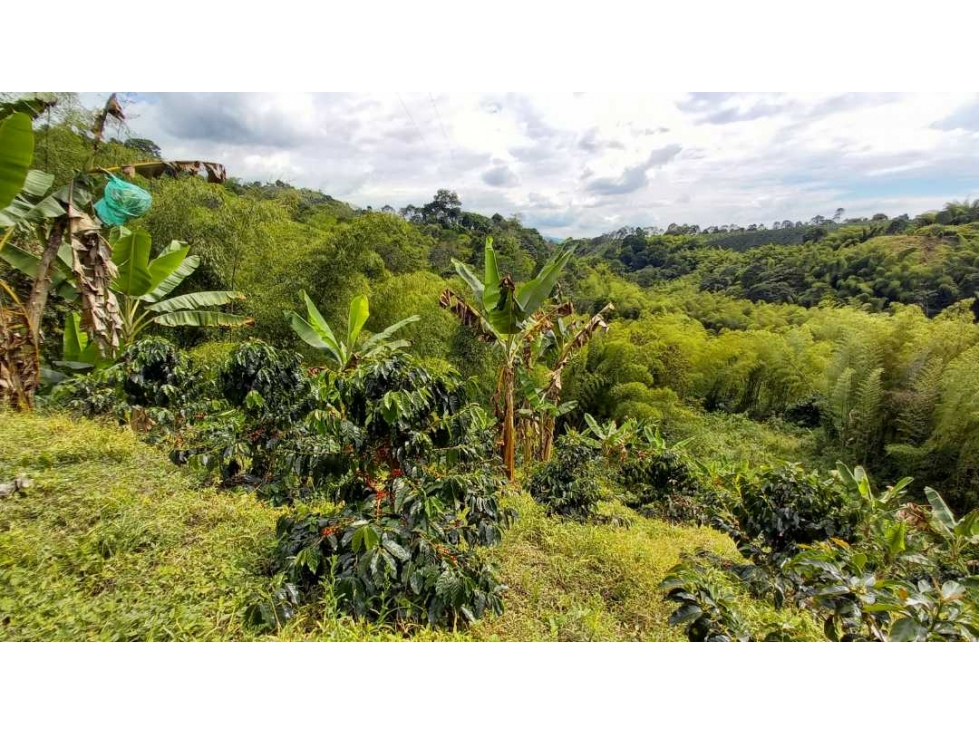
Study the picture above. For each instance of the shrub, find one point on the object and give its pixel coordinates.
(706, 606)
(151, 387)
(155, 374)
(807, 413)
(902, 577)
(267, 384)
(255, 442)
(788, 507)
(407, 553)
(413, 465)
(662, 484)
(210, 358)
(858, 599)
(92, 394)
(567, 484)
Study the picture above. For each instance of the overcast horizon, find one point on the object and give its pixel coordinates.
(583, 164)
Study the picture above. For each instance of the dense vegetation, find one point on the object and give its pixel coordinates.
(434, 422)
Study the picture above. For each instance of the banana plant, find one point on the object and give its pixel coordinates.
(568, 335)
(956, 533)
(504, 313)
(142, 285)
(20, 368)
(31, 207)
(872, 503)
(74, 260)
(346, 353)
(611, 435)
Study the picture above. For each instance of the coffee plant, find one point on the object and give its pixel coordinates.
(155, 374)
(663, 483)
(92, 394)
(863, 565)
(267, 384)
(705, 604)
(567, 484)
(152, 387)
(787, 507)
(251, 436)
(412, 464)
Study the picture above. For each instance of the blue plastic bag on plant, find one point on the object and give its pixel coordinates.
(122, 201)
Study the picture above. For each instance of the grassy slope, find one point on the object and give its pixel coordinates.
(114, 542)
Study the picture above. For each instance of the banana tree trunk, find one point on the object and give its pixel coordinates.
(20, 328)
(547, 439)
(553, 395)
(42, 283)
(529, 428)
(509, 438)
(19, 359)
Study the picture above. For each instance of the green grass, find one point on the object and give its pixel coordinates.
(734, 439)
(113, 542)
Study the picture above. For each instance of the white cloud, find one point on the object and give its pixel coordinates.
(578, 164)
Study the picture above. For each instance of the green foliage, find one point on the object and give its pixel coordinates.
(662, 483)
(891, 581)
(113, 542)
(90, 395)
(345, 352)
(567, 484)
(631, 462)
(706, 608)
(504, 307)
(381, 568)
(859, 602)
(210, 357)
(789, 507)
(402, 247)
(509, 316)
(155, 374)
(412, 466)
(151, 386)
(730, 351)
(957, 534)
(266, 383)
(77, 351)
(142, 287)
(16, 153)
(436, 333)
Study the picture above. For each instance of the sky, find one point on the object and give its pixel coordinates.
(579, 164)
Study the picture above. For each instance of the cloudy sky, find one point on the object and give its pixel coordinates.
(582, 164)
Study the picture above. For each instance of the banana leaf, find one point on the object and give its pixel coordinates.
(131, 254)
(202, 318)
(532, 294)
(357, 316)
(196, 301)
(16, 153)
(166, 264)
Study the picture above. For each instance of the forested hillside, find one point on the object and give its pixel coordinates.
(593, 396)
